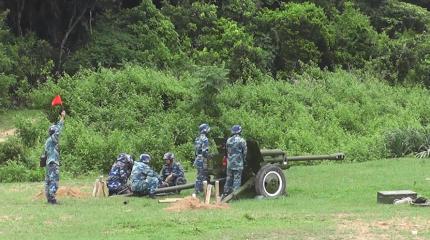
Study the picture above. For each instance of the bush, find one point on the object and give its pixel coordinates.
(13, 150)
(402, 142)
(16, 172)
(32, 132)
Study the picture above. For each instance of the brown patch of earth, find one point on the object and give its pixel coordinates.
(6, 133)
(191, 203)
(73, 192)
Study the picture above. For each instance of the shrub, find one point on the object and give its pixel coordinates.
(16, 172)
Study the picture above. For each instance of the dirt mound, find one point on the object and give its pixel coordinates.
(190, 203)
(6, 133)
(73, 192)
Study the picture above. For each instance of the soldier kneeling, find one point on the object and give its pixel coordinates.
(172, 173)
(144, 180)
(119, 174)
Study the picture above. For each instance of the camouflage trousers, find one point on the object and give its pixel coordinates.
(202, 175)
(146, 186)
(116, 187)
(174, 181)
(52, 176)
(233, 180)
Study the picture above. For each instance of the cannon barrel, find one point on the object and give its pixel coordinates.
(182, 187)
(174, 188)
(271, 152)
(335, 156)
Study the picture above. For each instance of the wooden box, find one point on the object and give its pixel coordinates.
(388, 197)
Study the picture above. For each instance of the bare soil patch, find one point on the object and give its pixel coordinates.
(6, 133)
(62, 192)
(191, 203)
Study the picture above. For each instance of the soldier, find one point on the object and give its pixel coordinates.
(236, 159)
(119, 174)
(52, 176)
(201, 145)
(172, 173)
(144, 180)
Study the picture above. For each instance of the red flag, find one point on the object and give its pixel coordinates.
(57, 101)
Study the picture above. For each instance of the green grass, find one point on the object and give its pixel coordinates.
(329, 201)
(8, 118)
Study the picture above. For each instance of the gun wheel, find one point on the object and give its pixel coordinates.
(270, 181)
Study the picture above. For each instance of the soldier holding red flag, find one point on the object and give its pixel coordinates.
(52, 155)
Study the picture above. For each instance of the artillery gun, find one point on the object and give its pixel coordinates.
(263, 169)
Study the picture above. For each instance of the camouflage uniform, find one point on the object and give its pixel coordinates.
(52, 173)
(201, 145)
(119, 174)
(176, 170)
(143, 179)
(236, 158)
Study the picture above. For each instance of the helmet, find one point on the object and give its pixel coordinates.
(125, 158)
(145, 158)
(236, 129)
(52, 129)
(204, 128)
(169, 156)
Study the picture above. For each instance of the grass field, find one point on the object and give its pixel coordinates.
(329, 201)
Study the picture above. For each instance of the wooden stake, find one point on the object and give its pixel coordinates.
(205, 188)
(216, 189)
(96, 186)
(217, 196)
(208, 194)
(169, 200)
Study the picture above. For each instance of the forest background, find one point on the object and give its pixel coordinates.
(308, 77)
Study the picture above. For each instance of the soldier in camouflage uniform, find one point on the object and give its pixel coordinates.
(201, 145)
(172, 173)
(119, 174)
(236, 159)
(52, 152)
(144, 180)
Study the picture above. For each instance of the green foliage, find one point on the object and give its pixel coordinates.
(141, 35)
(12, 150)
(397, 17)
(17, 172)
(31, 132)
(133, 110)
(212, 81)
(402, 142)
(356, 41)
(299, 32)
(323, 112)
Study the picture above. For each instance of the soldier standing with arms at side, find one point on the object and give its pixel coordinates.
(201, 145)
(236, 159)
(52, 153)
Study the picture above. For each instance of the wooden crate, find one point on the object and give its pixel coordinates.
(388, 197)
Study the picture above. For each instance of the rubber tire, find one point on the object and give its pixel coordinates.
(274, 170)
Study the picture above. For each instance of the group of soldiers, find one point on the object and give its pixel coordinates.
(138, 177)
(236, 158)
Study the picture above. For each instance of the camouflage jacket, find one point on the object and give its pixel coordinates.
(175, 168)
(201, 145)
(118, 175)
(236, 152)
(141, 171)
(51, 145)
